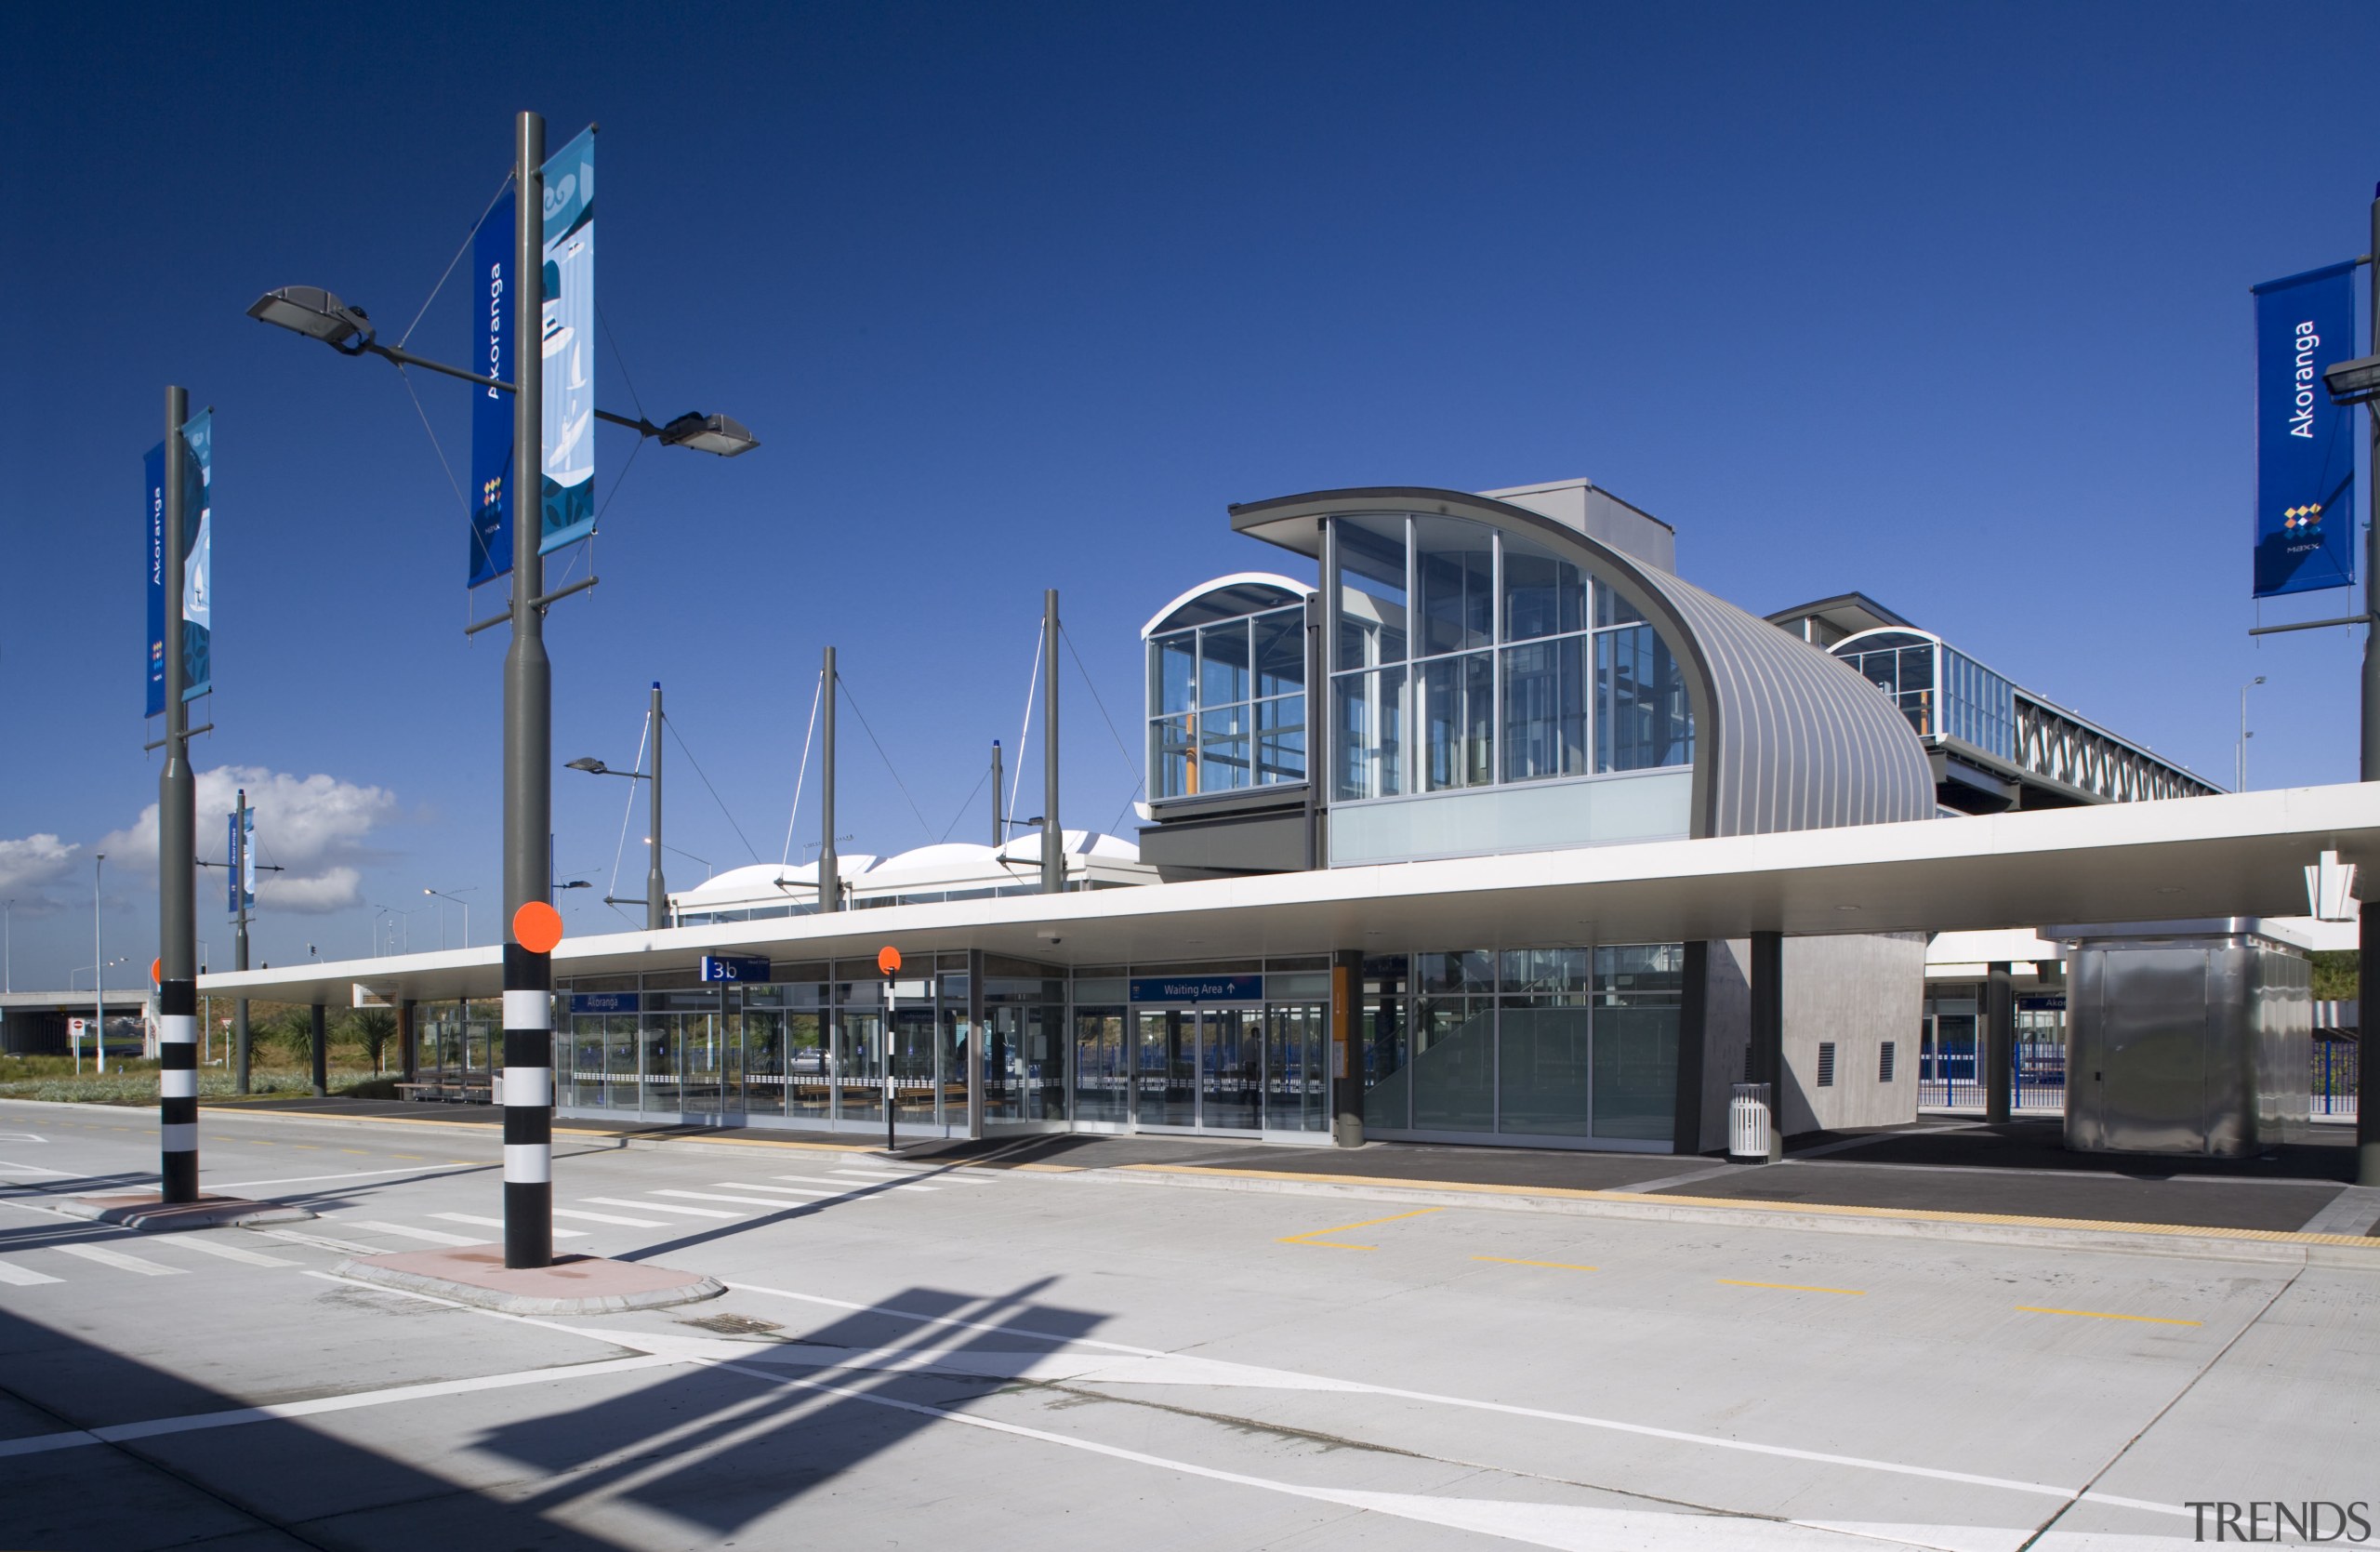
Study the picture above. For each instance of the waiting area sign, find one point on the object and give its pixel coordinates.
(1197, 989)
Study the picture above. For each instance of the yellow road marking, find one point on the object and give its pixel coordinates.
(1515, 1261)
(354, 1151)
(1793, 1287)
(1308, 1238)
(2104, 1315)
(1814, 1208)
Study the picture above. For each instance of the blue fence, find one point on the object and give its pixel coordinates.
(1951, 1076)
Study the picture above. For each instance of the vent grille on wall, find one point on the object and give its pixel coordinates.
(1885, 1063)
(1826, 1064)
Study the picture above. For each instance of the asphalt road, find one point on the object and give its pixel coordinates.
(919, 1356)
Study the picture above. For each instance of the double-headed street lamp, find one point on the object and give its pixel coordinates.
(442, 919)
(528, 713)
(657, 892)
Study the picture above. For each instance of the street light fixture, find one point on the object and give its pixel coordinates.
(467, 913)
(319, 314)
(2244, 734)
(2353, 382)
(657, 892)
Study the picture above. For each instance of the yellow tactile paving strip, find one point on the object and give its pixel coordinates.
(1920, 1215)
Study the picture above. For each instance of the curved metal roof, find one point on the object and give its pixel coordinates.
(1242, 592)
(1785, 737)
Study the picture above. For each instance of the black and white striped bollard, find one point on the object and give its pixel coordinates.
(177, 1090)
(529, 1087)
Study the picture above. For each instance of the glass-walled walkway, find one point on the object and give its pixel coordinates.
(1574, 1046)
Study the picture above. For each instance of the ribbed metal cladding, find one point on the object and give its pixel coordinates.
(177, 1090)
(528, 1108)
(1796, 739)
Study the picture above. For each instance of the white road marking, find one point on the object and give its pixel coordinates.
(118, 1259)
(873, 1179)
(233, 1417)
(1613, 1425)
(788, 1190)
(23, 1277)
(7, 1168)
(660, 1207)
(229, 1253)
(497, 1223)
(434, 1236)
(714, 1196)
(22, 1137)
(322, 1241)
(610, 1218)
(352, 1175)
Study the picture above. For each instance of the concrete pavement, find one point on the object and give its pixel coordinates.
(911, 1353)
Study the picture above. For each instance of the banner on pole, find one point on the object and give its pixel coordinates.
(198, 555)
(153, 486)
(492, 407)
(567, 487)
(2305, 529)
(241, 858)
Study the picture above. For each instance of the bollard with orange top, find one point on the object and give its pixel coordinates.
(529, 1085)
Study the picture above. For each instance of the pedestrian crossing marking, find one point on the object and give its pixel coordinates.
(498, 1223)
(662, 1207)
(859, 1185)
(229, 1253)
(23, 1277)
(714, 1196)
(118, 1259)
(434, 1236)
(610, 1218)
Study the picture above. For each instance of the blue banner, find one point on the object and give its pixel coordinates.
(198, 555)
(2305, 443)
(605, 1002)
(568, 487)
(240, 858)
(153, 524)
(492, 407)
(734, 967)
(1197, 989)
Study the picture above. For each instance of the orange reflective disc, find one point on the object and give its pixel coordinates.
(887, 959)
(537, 927)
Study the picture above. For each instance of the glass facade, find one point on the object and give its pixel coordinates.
(1943, 692)
(1549, 1043)
(1529, 1042)
(1507, 660)
(1227, 705)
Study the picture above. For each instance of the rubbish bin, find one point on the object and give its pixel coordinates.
(1748, 1124)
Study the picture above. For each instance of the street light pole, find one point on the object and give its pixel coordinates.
(2367, 1112)
(656, 888)
(176, 864)
(98, 975)
(241, 876)
(1053, 836)
(2242, 785)
(528, 752)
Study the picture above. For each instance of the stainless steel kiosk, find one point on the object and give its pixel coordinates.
(2185, 1037)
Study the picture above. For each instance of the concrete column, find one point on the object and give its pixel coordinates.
(1693, 1020)
(972, 1048)
(1769, 1030)
(321, 1054)
(409, 1043)
(1346, 1048)
(1999, 1042)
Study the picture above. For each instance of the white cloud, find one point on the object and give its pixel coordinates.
(314, 828)
(27, 866)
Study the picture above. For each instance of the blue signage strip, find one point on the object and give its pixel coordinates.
(734, 967)
(198, 555)
(2304, 445)
(153, 526)
(567, 348)
(605, 1002)
(1199, 988)
(492, 407)
(240, 853)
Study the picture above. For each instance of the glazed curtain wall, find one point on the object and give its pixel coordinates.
(1506, 660)
(1538, 1042)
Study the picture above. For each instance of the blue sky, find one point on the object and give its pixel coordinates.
(1944, 303)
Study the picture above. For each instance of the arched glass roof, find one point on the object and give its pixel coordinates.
(1242, 592)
